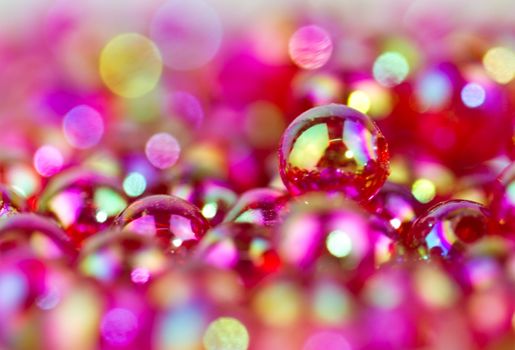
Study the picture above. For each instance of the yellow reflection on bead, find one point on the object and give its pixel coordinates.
(279, 305)
(226, 333)
(499, 63)
(423, 190)
(310, 147)
(435, 288)
(130, 65)
(339, 244)
(359, 100)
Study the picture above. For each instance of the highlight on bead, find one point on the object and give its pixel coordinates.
(83, 127)
(390, 69)
(423, 190)
(310, 47)
(48, 160)
(162, 150)
(130, 65)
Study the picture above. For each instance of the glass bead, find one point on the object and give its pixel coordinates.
(175, 223)
(243, 247)
(334, 148)
(82, 202)
(503, 201)
(448, 229)
(28, 234)
(395, 204)
(214, 198)
(332, 233)
(113, 257)
(261, 206)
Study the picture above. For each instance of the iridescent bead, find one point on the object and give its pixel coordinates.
(121, 257)
(261, 206)
(503, 201)
(176, 224)
(33, 235)
(334, 148)
(448, 229)
(395, 204)
(332, 233)
(82, 202)
(214, 198)
(243, 247)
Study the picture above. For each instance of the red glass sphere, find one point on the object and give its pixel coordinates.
(334, 148)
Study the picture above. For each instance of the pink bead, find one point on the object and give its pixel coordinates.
(334, 148)
(242, 247)
(503, 201)
(83, 202)
(176, 224)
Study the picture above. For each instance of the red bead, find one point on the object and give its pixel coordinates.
(121, 257)
(448, 229)
(243, 247)
(176, 224)
(82, 202)
(334, 148)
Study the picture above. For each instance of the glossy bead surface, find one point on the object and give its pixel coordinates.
(82, 202)
(213, 198)
(395, 204)
(334, 148)
(243, 247)
(448, 228)
(176, 224)
(261, 206)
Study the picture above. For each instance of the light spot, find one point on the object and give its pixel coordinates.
(359, 100)
(48, 160)
(162, 150)
(310, 47)
(188, 32)
(226, 333)
(134, 184)
(339, 244)
(83, 127)
(499, 63)
(130, 65)
(101, 216)
(119, 327)
(473, 95)
(209, 210)
(423, 190)
(390, 69)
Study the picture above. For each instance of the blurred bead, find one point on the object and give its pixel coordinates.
(334, 148)
(82, 202)
(332, 233)
(121, 257)
(395, 204)
(33, 235)
(214, 198)
(448, 229)
(174, 223)
(261, 206)
(242, 247)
